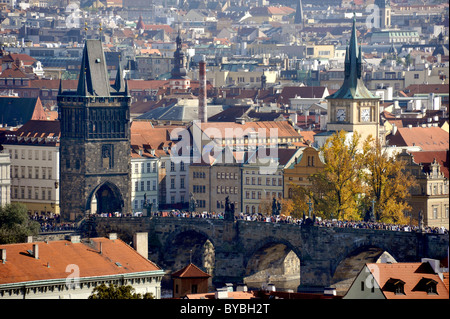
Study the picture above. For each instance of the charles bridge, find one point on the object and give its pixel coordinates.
(233, 250)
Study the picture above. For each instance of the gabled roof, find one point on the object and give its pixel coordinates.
(54, 257)
(426, 158)
(190, 271)
(411, 274)
(16, 111)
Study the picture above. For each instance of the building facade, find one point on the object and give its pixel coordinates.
(34, 154)
(429, 197)
(306, 163)
(5, 179)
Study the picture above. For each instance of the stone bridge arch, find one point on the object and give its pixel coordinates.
(187, 245)
(272, 260)
(347, 266)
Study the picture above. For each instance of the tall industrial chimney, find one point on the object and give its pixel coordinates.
(202, 109)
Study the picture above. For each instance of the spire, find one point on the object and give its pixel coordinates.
(93, 79)
(119, 84)
(353, 86)
(299, 13)
(60, 90)
(82, 81)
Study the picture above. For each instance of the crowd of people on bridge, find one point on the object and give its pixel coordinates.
(306, 221)
(51, 223)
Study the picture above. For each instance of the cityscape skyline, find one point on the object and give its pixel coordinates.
(284, 127)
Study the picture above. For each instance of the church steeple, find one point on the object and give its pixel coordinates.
(353, 86)
(299, 13)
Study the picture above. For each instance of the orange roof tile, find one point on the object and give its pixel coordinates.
(428, 138)
(411, 274)
(190, 271)
(54, 257)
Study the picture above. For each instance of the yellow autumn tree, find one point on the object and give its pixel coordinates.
(341, 178)
(388, 183)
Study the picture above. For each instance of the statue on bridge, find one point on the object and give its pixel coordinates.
(229, 210)
(192, 203)
(276, 207)
(147, 207)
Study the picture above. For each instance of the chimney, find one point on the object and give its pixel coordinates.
(329, 291)
(3, 254)
(221, 293)
(140, 243)
(36, 251)
(112, 236)
(75, 239)
(202, 107)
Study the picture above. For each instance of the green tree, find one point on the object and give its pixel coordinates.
(15, 224)
(117, 292)
(388, 183)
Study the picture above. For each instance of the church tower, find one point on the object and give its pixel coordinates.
(384, 7)
(179, 78)
(95, 140)
(299, 19)
(353, 107)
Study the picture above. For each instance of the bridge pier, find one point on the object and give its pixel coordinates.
(315, 275)
(229, 268)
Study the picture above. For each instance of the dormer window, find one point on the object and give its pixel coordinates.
(396, 286)
(427, 285)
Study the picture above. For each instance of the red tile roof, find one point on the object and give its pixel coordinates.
(426, 89)
(411, 274)
(190, 271)
(428, 138)
(54, 257)
(426, 158)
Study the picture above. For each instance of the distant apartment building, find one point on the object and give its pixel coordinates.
(144, 179)
(153, 66)
(34, 154)
(306, 163)
(262, 178)
(394, 36)
(5, 179)
(214, 178)
(429, 198)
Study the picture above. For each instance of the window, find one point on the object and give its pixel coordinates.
(416, 75)
(172, 166)
(172, 183)
(148, 185)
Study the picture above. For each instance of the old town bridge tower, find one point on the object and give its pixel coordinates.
(95, 140)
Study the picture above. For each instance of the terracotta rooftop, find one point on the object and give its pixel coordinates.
(190, 271)
(427, 157)
(428, 138)
(54, 257)
(412, 274)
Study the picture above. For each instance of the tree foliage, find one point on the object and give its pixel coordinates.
(15, 224)
(352, 178)
(117, 292)
(342, 176)
(388, 183)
